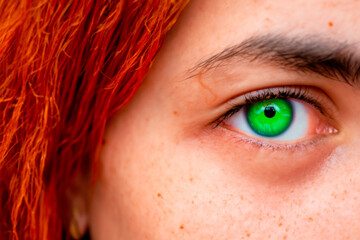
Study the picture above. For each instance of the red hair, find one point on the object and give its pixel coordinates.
(66, 66)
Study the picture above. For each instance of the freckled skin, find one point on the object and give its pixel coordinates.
(167, 174)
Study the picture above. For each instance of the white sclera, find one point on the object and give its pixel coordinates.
(298, 128)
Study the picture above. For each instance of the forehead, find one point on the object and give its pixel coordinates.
(208, 26)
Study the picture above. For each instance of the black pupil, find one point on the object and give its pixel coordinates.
(269, 111)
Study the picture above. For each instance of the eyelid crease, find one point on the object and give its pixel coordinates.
(301, 93)
(297, 92)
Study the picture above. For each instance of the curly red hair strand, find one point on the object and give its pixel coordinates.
(65, 68)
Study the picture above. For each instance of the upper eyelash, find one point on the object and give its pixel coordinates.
(296, 92)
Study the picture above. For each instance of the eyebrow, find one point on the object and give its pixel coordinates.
(314, 54)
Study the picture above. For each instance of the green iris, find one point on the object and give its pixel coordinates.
(270, 118)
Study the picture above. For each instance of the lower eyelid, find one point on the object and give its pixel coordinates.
(305, 145)
(267, 162)
(308, 128)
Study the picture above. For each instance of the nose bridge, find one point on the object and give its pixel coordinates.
(346, 158)
(343, 162)
(352, 144)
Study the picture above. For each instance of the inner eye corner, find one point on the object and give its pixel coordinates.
(285, 121)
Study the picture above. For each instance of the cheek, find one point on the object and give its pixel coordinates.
(298, 195)
(213, 186)
(244, 159)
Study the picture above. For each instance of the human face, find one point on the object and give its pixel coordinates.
(171, 170)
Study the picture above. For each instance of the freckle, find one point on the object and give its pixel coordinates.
(248, 234)
(181, 227)
(242, 197)
(280, 224)
(210, 202)
(191, 179)
(176, 113)
(331, 24)
(159, 195)
(310, 219)
(285, 237)
(192, 202)
(286, 229)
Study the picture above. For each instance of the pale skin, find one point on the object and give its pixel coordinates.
(168, 173)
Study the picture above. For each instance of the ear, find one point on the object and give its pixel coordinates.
(78, 198)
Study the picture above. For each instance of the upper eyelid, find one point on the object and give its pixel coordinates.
(295, 92)
(236, 103)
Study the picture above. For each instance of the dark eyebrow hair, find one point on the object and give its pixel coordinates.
(327, 57)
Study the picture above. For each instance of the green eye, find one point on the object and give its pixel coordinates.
(270, 118)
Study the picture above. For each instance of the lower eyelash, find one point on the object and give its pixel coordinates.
(277, 146)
